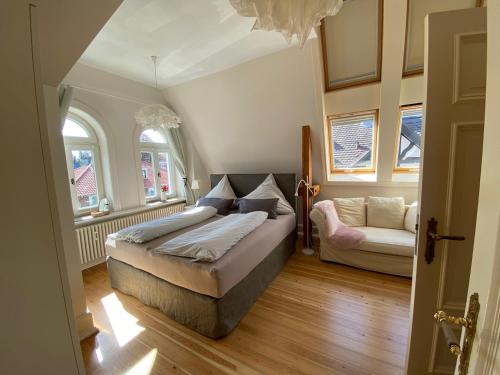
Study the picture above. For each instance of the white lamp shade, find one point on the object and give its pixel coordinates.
(195, 185)
(297, 17)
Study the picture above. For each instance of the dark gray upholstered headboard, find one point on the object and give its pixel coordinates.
(245, 183)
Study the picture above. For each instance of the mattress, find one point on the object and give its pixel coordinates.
(212, 279)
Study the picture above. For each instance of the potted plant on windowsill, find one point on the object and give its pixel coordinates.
(163, 193)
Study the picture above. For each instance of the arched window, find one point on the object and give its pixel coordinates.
(155, 165)
(84, 165)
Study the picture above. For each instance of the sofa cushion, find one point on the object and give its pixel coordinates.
(387, 241)
(411, 217)
(385, 212)
(351, 211)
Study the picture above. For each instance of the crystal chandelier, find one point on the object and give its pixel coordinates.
(289, 17)
(157, 116)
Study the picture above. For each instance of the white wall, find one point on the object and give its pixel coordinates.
(66, 28)
(248, 118)
(112, 101)
(38, 333)
(83, 318)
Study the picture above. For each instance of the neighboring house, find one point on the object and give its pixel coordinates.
(353, 143)
(85, 185)
(148, 174)
(409, 145)
(353, 150)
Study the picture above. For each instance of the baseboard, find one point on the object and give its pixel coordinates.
(85, 325)
(315, 233)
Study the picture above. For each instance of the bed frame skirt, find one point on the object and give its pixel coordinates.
(212, 317)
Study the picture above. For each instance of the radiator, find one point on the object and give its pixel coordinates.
(91, 238)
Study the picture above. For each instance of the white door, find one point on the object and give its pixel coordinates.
(455, 80)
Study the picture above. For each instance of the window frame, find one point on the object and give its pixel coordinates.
(353, 83)
(79, 143)
(353, 171)
(395, 168)
(155, 149)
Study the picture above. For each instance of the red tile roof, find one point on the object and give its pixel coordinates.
(85, 181)
(352, 145)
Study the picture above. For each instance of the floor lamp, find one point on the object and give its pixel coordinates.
(195, 186)
(306, 250)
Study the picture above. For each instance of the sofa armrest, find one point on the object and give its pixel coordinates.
(318, 218)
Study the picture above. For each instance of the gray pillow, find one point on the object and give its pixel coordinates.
(269, 205)
(222, 205)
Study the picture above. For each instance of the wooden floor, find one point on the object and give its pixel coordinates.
(314, 318)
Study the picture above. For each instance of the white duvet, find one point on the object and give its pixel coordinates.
(211, 241)
(150, 230)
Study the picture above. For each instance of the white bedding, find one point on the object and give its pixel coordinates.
(215, 278)
(150, 230)
(211, 241)
(269, 189)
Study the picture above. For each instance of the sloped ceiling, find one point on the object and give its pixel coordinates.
(192, 39)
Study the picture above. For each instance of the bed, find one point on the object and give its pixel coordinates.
(210, 298)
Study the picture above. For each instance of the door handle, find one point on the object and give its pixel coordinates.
(433, 237)
(438, 237)
(468, 322)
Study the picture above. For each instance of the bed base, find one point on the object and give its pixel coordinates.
(210, 316)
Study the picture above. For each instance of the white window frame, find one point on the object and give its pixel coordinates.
(77, 143)
(402, 110)
(340, 118)
(155, 149)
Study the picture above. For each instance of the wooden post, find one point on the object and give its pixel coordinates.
(307, 199)
(306, 175)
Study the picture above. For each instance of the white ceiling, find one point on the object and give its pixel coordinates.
(192, 38)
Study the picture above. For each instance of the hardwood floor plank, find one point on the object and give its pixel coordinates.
(314, 318)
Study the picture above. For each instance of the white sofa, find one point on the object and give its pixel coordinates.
(384, 250)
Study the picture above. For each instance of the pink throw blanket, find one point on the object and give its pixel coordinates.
(338, 234)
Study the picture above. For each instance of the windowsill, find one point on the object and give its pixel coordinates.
(88, 219)
(405, 177)
(353, 177)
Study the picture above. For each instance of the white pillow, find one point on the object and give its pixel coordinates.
(386, 212)
(269, 189)
(222, 190)
(411, 217)
(351, 211)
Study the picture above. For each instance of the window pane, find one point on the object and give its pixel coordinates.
(152, 136)
(85, 178)
(409, 139)
(352, 140)
(72, 129)
(164, 172)
(148, 174)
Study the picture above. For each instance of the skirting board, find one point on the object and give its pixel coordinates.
(300, 232)
(85, 325)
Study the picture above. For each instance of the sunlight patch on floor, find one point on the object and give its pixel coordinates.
(124, 325)
(145, 365)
